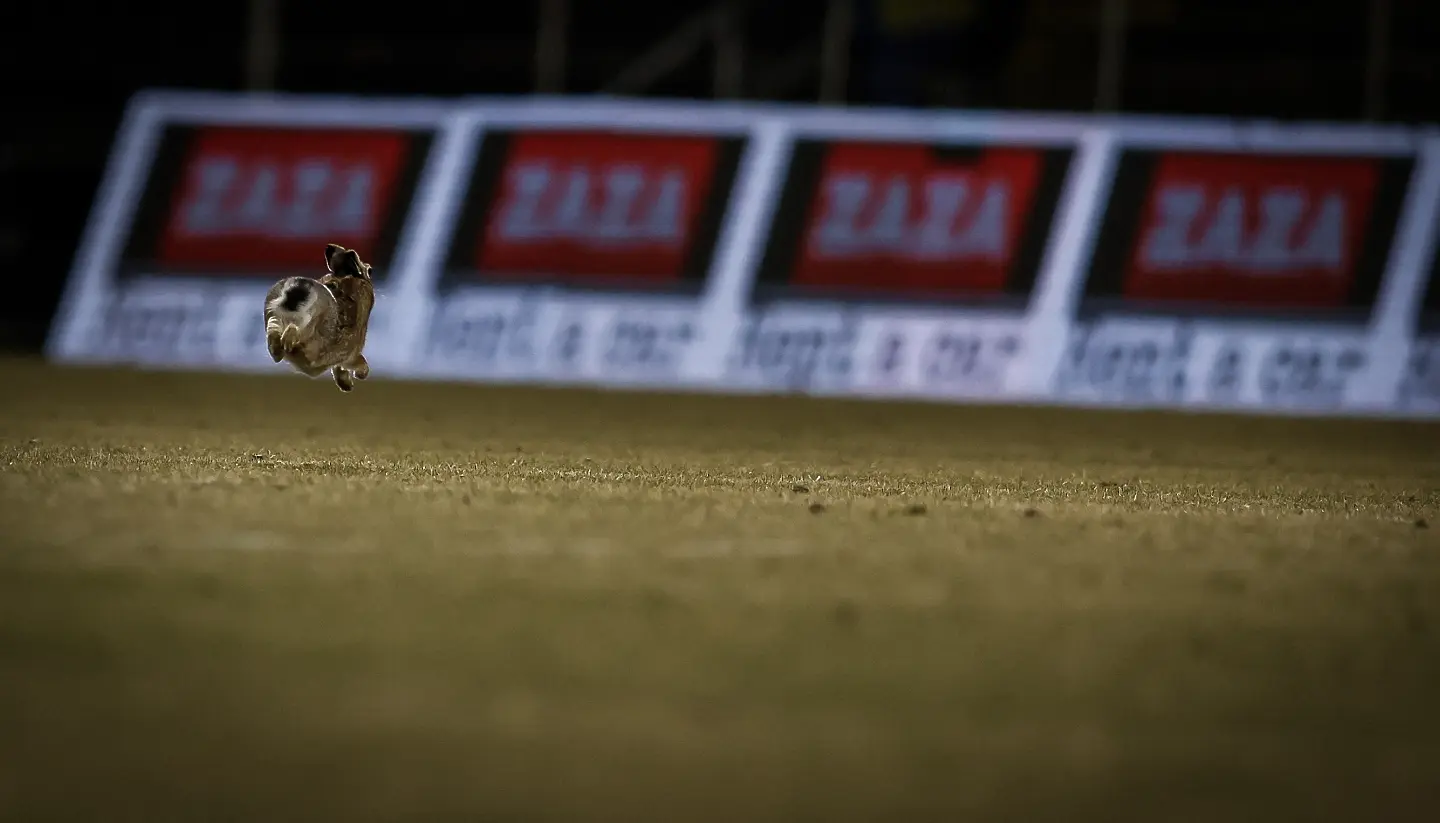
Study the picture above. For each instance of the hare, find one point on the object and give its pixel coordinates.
(319, 325)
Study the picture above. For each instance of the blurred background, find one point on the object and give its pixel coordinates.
(72, 64)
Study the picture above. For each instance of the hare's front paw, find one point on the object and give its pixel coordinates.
(272, 342)
(343, 379)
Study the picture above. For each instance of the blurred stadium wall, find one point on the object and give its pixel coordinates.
(72, 65)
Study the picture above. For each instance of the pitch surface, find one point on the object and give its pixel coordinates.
(259, 596)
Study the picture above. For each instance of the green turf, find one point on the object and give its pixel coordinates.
(255, 598)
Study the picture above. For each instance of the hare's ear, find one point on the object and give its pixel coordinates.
(332, 256)
(348, 264)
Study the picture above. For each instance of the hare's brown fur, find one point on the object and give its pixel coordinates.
(320, 325)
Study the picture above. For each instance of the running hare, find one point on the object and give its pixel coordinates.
(319, 325)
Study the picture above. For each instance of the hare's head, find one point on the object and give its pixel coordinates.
(343, 262)
(350, 276)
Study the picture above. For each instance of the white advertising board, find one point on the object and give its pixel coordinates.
(966, 257)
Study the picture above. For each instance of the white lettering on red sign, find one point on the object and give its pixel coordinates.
(614, 206)
(952, 218)
(308, 198)
(1280, 232)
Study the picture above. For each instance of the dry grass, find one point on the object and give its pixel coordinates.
(259, 599)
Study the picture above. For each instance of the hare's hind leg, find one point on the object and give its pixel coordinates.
(343, 378)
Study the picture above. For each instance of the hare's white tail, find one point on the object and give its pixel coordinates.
(291, 311)
(294, 304)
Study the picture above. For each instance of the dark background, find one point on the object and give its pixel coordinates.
(70, 65)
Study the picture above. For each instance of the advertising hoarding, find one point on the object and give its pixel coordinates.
(942, 255)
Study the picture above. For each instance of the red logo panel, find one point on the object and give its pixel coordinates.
(1257, 230)
(902, 217)
(598, 205)
(271, 198)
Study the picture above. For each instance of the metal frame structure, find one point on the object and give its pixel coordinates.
(720, 25)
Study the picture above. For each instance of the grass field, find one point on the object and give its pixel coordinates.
(255, 598)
